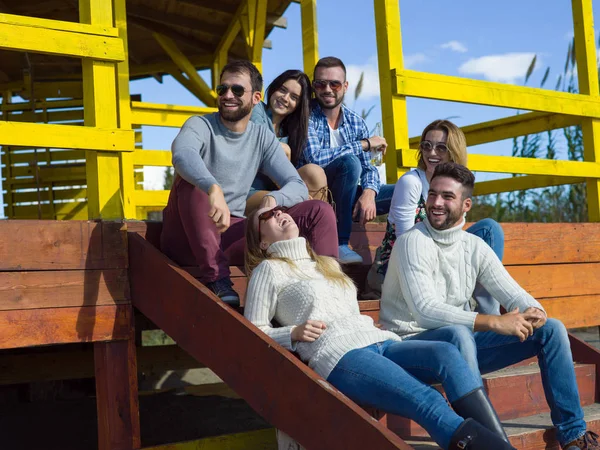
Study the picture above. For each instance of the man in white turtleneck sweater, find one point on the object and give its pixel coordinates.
(426, 295)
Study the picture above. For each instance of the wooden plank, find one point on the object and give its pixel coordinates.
(55, 289)
(558, 280)
(163, 115)
(31, 327)
(586, 354)
(58, 25)
(61, 211)
(65, 136)
(117, 393)
(152, 158)
(192, 316)
(60, 363)
(56, 245)
(574, 312)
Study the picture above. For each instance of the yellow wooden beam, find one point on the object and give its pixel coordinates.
(54, 104)
(310, 35)
(522, 183)
(58, 25)
(528, 166)
(587, 75)
(30, 38)
(251, 440)
(393, 108)
(59, 211)
(65, 136)
(52, 117)
(510, 127)
(105, 198)
(253, 21)
(442, 87)
(209, 97)
(186, 83)
(151, 198)
(62, 156)
(54, 89)
(160, 158)
(164, 115)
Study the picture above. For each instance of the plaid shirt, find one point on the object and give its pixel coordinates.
(352, 128)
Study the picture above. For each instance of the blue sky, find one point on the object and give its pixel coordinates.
(472, 38)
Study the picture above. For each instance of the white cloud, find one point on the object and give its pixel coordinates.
(506, 68)
(415, 59)
(455, 46)
(370, 88)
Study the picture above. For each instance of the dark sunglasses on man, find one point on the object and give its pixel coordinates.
(237, 89)
(320, 85)
(268, 214)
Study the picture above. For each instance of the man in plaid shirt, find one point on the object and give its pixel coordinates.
(338, 141)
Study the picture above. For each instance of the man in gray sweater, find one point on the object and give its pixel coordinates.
(432, 274)
(216, 158)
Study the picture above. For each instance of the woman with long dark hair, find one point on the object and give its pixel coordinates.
(286, 113)
(315, 304)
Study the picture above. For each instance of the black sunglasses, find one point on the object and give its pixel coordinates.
(427, 146)
(237, 89)
(320, 85)
(268, 214)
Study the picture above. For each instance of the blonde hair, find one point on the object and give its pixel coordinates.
(326, 265)
(455, 141)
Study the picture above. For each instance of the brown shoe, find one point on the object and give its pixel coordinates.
(588, 441)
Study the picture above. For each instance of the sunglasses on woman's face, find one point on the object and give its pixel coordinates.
(427, 146)
(321, 85)
(268, 214)
(237, 89)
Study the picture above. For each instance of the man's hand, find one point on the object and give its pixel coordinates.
(514, 324)
(219, 211)
(378, 143)
(365, 209)
(538, 317)
(268, 201)
(309, 331)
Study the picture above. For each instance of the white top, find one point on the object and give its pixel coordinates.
(293, 294)
(335, 138)
(407, 193)
(431, 277)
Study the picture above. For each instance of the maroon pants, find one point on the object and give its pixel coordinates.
(190, 238)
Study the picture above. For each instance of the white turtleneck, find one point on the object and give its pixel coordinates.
(431, 277)
(292, 295)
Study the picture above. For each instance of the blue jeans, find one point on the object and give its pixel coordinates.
(491, 232)
(488, 351)
(343, 174)
(394, 376)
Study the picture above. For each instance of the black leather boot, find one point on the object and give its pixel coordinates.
(473, 436)
(476, 405)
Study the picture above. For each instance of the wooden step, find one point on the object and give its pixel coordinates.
(515, 392)
(527, 433)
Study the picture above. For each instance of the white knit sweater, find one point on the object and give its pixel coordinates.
(293, 295)
(431, 277)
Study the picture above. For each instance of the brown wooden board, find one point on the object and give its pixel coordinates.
(585, 353)
(574, 312)
(558, 280)
(117, 394)
(276, 384)
(59, 245)
(31, 327)
(59, 288)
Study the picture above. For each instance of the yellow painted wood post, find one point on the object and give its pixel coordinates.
(220, 60)
(253, 20)
(393, 107)
(310, 35)
(587, 74)
(124, 114)
(6, 159)
(100, 110)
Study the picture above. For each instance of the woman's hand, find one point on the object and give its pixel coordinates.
(309, 331)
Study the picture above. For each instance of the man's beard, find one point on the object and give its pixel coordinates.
(236, 115)
(335, 105)
(452, 217)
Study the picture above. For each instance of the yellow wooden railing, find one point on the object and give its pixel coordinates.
(551, 110)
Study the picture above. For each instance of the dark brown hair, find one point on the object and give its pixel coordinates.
(330, 61)
(245, 67)
(459, 173)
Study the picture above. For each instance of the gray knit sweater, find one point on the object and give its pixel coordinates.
(293, 295)
(205, 152)
(431, 277)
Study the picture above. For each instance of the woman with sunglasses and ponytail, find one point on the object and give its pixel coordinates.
(286, 114)
(441, 141)
(315, 304)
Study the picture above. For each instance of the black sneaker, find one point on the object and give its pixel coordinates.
(223, 289)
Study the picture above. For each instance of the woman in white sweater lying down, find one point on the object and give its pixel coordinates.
(316, 306)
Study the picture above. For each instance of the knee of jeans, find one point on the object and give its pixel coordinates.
(553, 329)
(351, 166)
(461, 337)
